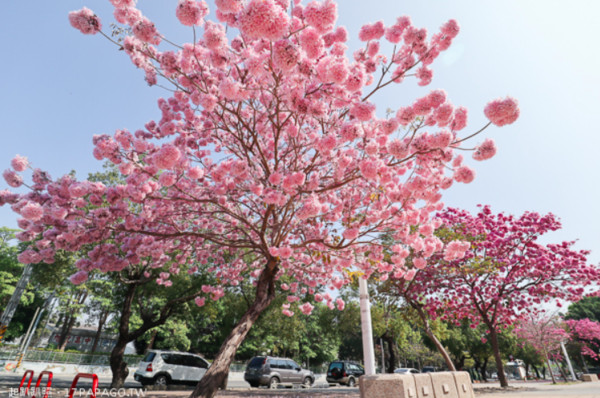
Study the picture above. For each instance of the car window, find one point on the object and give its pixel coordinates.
(256, 362)
(195, 362)
(275, 363)
(149, 357)
(335, 365)
(414, 371)
(291, 364)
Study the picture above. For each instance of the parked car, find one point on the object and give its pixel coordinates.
(344, 372)
(170, 367)
(427, 369)
(406, 371)
(271, 371)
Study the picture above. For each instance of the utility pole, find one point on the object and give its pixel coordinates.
(13, 303)
(367, 330)
(564, 349)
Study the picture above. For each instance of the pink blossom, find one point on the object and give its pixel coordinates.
(425, 75)
(32, 211)
(285, 55)
(419, 262)
(145, 31)
(363, 111)
(455, 250)
(285, 252)
(29, 257)
(368, 169)
(502, 111)
(410, 274)
(167, 157)
(450, 28)
(19, 163)
(340, 304)
(12, 178)
(85, 21)
(123, 3)
(486, 150)
(321, 16)
(127, 15)
(195, 173)
(393, 34)
(464, 174)
(397, 148)
(214, 36)
(263, 19)
(229, 6)
(459, 121)
(275, 178)
(79, 277)
(312, 43)
(191, 12)
(351, 233)
(372, 31)
(200, 301)
(287, 313)
(167, 179)
(306, 308)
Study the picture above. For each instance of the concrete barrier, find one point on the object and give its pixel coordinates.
(424, 385)
(589, 377)
(463, 384)
(387, 385)
(444, 385)
(428, 385)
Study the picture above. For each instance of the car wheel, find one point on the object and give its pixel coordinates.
(161, 380)
(351, 382)
(273, 383)
(307, 382)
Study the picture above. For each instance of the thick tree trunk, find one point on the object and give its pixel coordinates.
(101, 321)
(440, 347)
(497, 357)
(484, 370)
(216, 375)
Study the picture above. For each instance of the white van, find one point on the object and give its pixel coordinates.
(170, 367)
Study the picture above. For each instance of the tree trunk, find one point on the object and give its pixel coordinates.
(583, 363)
(101, 321)
(66, 330)
(440, 347)
(562, 371)
(537, 373)
(392, 353)
(550, 369)
(496, 350)
(484, 370)
(118, 367)
(152, 339)
(218, 371)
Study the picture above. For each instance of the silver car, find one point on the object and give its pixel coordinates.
(271, 371)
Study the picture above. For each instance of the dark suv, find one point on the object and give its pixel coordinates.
(271, 371)
(344, 372)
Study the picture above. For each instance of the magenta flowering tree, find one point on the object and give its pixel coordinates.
(506, 274)
(544, 332)
(587, 333)
(268, 159)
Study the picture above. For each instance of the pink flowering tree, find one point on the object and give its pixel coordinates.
(544, 333)
(587, 333)
(506, 274)
(269, 158)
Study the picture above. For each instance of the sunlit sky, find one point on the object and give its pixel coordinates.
(59, 87)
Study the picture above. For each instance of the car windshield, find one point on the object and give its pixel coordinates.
(256, 363)
(149, 357)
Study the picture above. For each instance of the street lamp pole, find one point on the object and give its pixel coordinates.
(367, 331)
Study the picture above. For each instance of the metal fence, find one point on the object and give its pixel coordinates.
(66, 357)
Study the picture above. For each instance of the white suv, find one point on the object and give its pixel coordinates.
(170, 367)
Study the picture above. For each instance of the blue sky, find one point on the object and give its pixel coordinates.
(60, 87)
